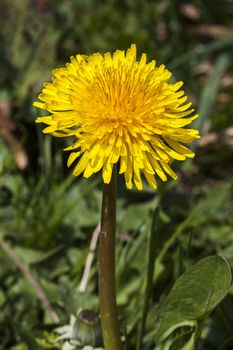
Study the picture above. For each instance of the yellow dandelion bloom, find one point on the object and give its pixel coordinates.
(119, 110)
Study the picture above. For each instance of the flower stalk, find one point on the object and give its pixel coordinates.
(107, 292)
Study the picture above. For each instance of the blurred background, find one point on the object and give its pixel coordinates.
(48, 218)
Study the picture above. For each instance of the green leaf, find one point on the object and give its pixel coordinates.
(211, 88)
(194, 295)
(33, 256)
(185, 341)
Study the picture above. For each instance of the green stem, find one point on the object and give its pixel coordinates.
(150, 273)
(107, 293)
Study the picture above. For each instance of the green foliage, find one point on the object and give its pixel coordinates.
(193, 296)
(47, 217)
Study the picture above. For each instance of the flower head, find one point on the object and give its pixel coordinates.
(119, 110)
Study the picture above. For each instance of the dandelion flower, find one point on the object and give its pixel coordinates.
(119, 110)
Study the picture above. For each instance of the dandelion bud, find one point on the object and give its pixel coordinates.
(87, 328)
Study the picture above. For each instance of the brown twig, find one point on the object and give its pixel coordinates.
(32, 280)
(90, 257)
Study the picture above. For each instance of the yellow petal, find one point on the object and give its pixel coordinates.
(107, 172)
(81, 164)
(151, 180)
(72, 157)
